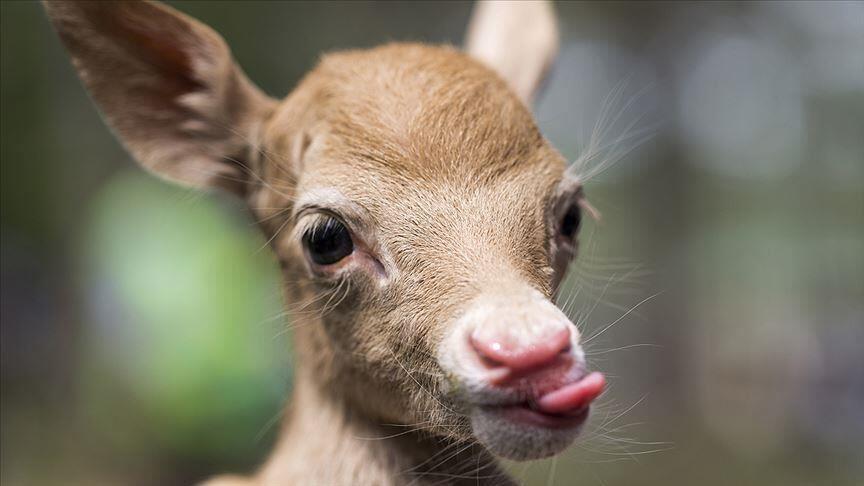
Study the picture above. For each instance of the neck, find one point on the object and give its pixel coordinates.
(327, 441)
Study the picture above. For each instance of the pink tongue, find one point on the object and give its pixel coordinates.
(574, 396)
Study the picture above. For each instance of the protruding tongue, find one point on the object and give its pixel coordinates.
(574, 396)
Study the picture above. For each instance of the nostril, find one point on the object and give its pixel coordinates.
(566, 349)
(518, 351)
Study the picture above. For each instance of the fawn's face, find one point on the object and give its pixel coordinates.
(421, 220)
(427, 221)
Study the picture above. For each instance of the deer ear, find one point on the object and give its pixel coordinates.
(516, 38)
(167, 86)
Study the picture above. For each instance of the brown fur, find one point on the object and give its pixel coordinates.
(452, 187)
(445, 167)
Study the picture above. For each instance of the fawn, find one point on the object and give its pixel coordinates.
(415, 209)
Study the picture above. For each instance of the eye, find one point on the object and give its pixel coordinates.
(571, 221)
(328, 242)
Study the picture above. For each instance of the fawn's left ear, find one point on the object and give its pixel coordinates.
(167, 86)
(517, 38)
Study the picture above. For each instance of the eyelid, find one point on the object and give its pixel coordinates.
(310, 217)
(568, 192)
(329, 200)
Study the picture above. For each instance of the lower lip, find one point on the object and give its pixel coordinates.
(523, 414)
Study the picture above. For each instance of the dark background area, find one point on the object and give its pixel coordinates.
(141, 337)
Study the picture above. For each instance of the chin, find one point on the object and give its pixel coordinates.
(519, 433)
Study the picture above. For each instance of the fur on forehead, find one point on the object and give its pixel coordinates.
(417, 113)
(446, 159)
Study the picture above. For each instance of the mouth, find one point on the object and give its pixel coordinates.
(540, 426)
(566, 407)
(524, 414)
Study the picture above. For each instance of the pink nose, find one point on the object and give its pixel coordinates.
(520, 349)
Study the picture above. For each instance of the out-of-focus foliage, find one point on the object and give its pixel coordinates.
(142, 339)
(169, 279)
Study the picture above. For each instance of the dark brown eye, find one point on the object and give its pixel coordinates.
(571, 221)
(328, 242)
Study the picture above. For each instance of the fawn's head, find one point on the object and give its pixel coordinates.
(422, 221)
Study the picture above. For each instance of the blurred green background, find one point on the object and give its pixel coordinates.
(141, 336)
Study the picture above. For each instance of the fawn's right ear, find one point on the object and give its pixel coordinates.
(167, 86)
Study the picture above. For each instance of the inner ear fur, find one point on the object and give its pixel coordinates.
(167, 86)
